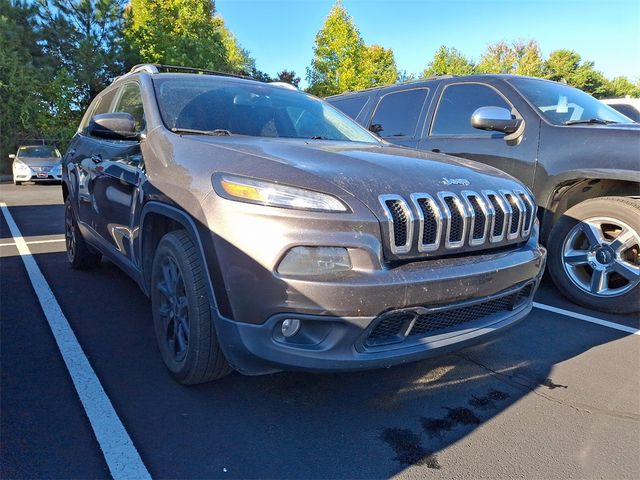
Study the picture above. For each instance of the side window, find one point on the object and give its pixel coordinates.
(351, 106)
(457, 104)
(101, 104)
(397, 113)
(130, 101)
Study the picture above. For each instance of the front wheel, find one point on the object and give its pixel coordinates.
(182, 312)
(594, 254)
(80, 255)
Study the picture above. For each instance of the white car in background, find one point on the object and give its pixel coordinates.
(629, 107)
(36, 163)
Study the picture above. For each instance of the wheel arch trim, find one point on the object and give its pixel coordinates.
(215, 281)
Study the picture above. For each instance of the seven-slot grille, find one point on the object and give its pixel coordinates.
(455, 220)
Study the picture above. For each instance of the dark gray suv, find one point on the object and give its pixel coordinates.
(273, 232)
(580, 158)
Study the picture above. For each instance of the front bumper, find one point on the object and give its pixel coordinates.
(338, 339)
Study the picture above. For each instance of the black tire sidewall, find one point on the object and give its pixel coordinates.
(620, 208)
(200, 330)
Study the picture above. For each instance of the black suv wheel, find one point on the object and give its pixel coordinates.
(594, 254)
(81, 256)
(181, 312)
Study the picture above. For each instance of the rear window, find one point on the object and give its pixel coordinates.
(250, 108)
(397, 113)
(350, 106)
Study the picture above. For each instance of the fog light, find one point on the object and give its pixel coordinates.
(315, 261)
(290, 327)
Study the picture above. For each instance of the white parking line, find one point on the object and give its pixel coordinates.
(587, 318)
(34, 242)
(121, 455)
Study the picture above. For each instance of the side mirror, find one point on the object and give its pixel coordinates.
(495, 119)
(12, 156)
(113, 126)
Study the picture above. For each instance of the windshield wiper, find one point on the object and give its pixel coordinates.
(319, 137)
(218, 132)
(597, 121)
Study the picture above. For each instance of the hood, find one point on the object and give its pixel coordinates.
(40, 161)
(367, 171)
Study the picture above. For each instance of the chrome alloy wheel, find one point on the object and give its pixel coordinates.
(600, 255)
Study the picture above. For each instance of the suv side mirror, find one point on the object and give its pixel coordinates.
(496, 119)
(113, 126)
(12, 156)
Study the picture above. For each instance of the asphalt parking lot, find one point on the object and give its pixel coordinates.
(557, 396)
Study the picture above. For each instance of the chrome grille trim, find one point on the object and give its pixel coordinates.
(467, 195)
(517, 213)
(504, 211)
(446, 220)
(528, 204)
(417, 198)
(406, 247)
(449, 216)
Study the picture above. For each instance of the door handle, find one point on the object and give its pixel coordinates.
(435, 150)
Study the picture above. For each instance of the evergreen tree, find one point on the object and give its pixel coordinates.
(288, 76)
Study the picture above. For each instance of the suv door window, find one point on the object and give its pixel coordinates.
(351, 106)
(457, 104)
(397, 113)
(130, 101)
(100, 105)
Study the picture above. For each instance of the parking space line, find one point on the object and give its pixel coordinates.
(33, 242)
(587, 318)
(120, 454)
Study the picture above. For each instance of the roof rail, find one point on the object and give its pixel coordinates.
(155, 68)
(408, 82)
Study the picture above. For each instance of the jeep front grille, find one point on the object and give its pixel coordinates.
(449, 221)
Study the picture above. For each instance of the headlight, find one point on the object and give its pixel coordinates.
(311, 261)
(21, 166)
(273, 194)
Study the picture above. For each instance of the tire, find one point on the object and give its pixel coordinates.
(80, 255)
(182, 320)
(594, 254)
(17, 182)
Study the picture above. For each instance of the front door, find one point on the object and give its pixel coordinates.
(450, 131)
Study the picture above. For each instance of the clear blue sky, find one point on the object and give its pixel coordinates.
(280, 33)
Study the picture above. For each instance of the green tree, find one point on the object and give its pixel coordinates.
(177, 32)
(19, 78)
(498, 58)
(288, 76)
(337, 55)
(378, 67)
(448, 61)
(621, 87)
(561, 65)
(528, 58)
(237, 59)
(84, 38)
(567, 66)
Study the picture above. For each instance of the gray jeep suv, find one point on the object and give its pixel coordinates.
(273, 232)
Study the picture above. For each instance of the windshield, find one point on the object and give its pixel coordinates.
(245, 108)
(560, 104)
(38, 152)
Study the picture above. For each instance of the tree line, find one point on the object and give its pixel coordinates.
(56, 55)
(342, 62)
